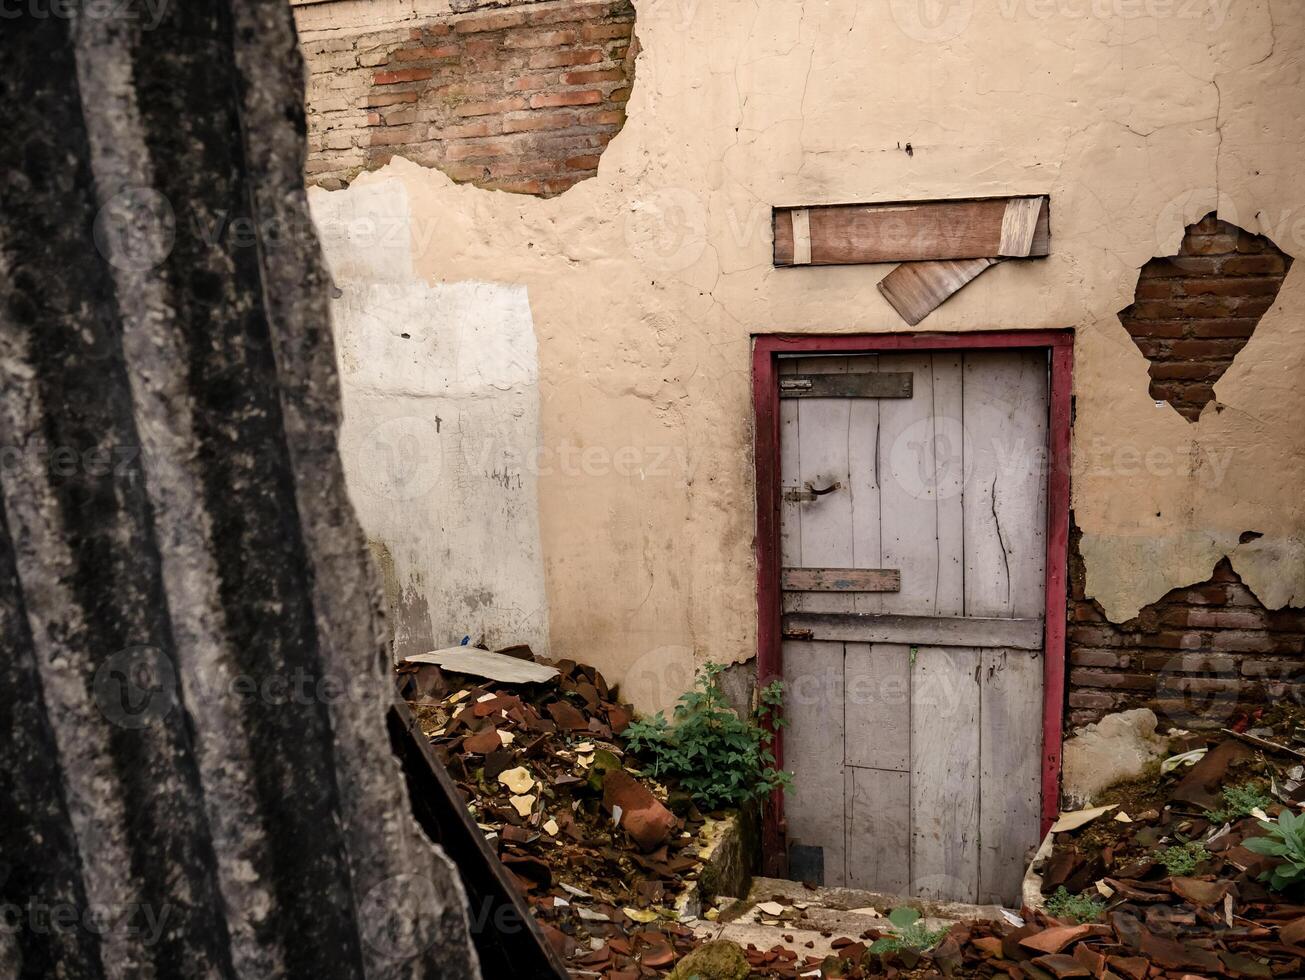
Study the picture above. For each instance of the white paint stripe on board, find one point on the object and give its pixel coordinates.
(801, 236)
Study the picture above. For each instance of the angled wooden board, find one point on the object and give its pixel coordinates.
(916, 289)
(915, 231)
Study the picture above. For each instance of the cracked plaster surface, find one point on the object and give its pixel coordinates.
(646, 282)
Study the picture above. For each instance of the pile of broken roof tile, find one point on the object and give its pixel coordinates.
(1164, 861)
(599, 850)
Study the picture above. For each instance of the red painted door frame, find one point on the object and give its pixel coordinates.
(766, 349)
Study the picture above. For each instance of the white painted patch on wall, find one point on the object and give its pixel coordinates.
(440, 388)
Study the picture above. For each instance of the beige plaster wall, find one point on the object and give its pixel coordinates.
(645, 284)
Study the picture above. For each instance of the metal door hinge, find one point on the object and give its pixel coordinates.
(798, 635)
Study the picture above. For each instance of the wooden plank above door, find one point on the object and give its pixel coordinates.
(916, 231)
(864, 384)
(943, 631)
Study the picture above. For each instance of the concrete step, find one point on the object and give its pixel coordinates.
(820, 915)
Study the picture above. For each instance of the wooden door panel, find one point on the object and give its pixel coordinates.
(863, 483)
(813, 750)
(877, 706)
(1010, 769)
(1005, 411)
(949, 470)
(915, 716)
(823, 461)
(945, 773)
(878, 830)
(920, 501)
(790, 525)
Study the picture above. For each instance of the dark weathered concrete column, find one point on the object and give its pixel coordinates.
(195, 779)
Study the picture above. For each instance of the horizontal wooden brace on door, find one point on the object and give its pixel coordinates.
(913, 231)
(931, 631)
(842, 580)
(864, 384)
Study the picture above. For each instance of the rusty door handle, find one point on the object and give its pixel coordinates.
(809, 494)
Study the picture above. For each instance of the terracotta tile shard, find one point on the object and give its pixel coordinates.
(1293, 933)
(1172, 954)
(618, 718)
(1201, 784)
(1094, 961)
(659, 955)
(644, 818)
(567, 717)
(1200, 893)
(1062, 965)
(1132, 967)
(483, 742)
(1055, 939)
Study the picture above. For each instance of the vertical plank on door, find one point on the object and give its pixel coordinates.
(1006, 507)
(813, 750)
(877, 715)
(949, 468)
(790, 528)
(945, 773)
(878, 830)
(824, 429)
(863, 468)
(1011, 685)
(907, 492)
(1005, 555)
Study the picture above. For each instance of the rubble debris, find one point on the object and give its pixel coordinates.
(1175, 891)
(1157, 881)
(1119, 746)
(590, 841)
(718, 960)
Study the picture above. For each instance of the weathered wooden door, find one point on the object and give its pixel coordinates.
(914, 547)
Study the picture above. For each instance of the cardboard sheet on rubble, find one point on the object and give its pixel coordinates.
(483, 663)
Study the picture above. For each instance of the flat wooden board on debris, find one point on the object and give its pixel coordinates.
(483, 663)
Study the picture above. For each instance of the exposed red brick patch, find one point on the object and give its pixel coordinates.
(1194, 311)
(1198, 656)
(555, 99)
(560, 70)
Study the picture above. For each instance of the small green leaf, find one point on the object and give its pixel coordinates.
(904, 917)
